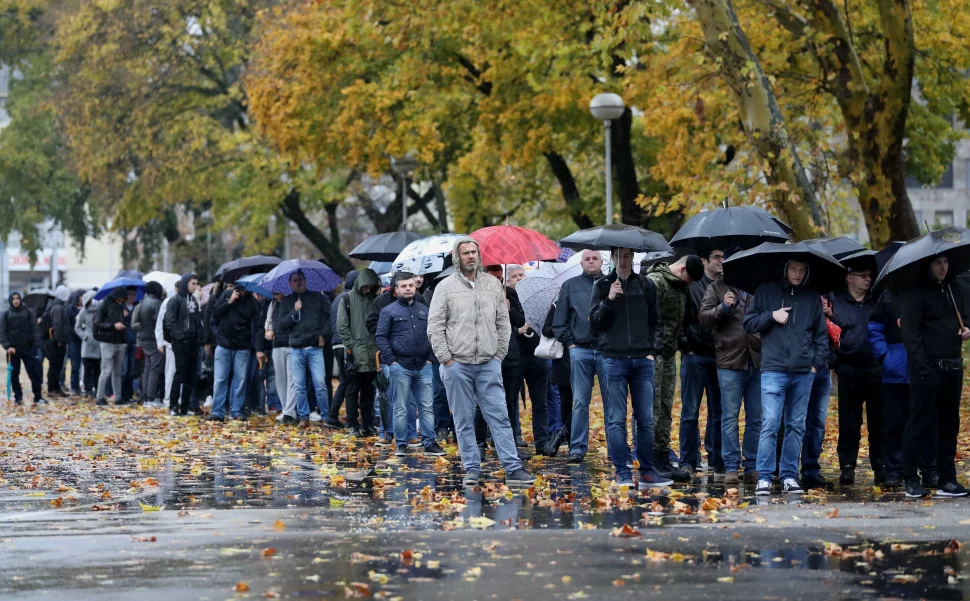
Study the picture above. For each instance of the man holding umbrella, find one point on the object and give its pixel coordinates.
(306, 321)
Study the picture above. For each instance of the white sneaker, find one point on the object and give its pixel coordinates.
(279, 417)
(315, 417)
(792, 487)
(764, 488)
(208, 402)
(173, 413)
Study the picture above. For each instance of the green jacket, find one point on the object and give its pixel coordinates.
(672, 297)
(352, 313)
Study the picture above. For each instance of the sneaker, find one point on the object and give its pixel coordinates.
(575, 458)
(472, 478)
(335, 424)
(208, 402)
(18, 402)
(914, 489)
(369, 431)
(280, 417)
(40, 401)
(847, 477)
(415, 443)
(520, 442)
(652, 479)
(792, 487)
(892, 481)
(102, 403)
(626, 481)
(384, 442)
(442, 436)
(931, 480)
(520, 477)
(191, 413)
(236, 418)
(288, 419)
(215, 418)
(171, 412)
(315, 417)
(732, 480)
(764, 488)
(434, 449)
(402, 450)
(305, 423)
(952, 489)
(355, 432)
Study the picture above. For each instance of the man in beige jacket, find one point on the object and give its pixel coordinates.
(469, 330)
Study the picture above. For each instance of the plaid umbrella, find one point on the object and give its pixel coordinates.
(504, 244)
(427, 255)
(536, 295)
(319, 277)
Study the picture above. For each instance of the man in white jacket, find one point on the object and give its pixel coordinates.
(165, 348)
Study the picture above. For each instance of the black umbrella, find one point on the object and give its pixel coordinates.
(652, 258)
(383, 247)
(233, 270)
(728, 228)
(840, 247)
(883, 256)
(616, 236)
(447, 272)
(37, 300)
(908, 265)
(766, 262)
(864, 259)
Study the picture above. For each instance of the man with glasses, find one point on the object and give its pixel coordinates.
(860, 376)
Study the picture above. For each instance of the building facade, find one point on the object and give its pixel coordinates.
(947, 203)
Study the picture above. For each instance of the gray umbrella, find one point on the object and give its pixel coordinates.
(536, 295)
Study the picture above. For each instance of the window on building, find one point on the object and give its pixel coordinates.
(943, 219)
(947, 180)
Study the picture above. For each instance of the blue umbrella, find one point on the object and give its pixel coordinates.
(251, 283)
(108, 288)
(130, 273)
(319, 277)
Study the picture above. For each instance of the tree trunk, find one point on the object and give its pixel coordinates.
(760, 114)
(290, 206)
(625, 171)
(441, 207)
(570, 192)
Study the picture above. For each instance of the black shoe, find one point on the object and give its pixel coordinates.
(482, 448)
(434, 449)
(914, 489)
(18, 402)
(334, 424)
(304, 422)
(952, 489)
(931, 480)
(814, 481)
(680, 475)
(472, 478)
(216, 418)
(369, 431)
(553, 444)
(575, 458)
(441, 436)
(892, 481)
(520, 442)
(353, 431)
(122, 402)
(879, 477)
(288, 420)
(402, 450)
(847, 477)
(101, 403)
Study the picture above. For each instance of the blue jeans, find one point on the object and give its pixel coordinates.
(553, 414)
(300, 359)
(407, 383)
(782, 395)
(818, 409)
(739, 386)
(238, 362)
(636, 377)
(388, 427)
(585, 364)
(697, 374)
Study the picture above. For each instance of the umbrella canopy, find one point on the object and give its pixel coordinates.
(427, 255)
(108, 288)
(130, 273)
(840, 247)
(447, 272)
(652, 258)
(36, 300)
(766, 262)
(383, 247)
(381, 267)
(728, 228)
(233, 270)
(616, 236)
(864, 259)
(505, 244)
(319, 277)
(251, 283)
(167, 280)
(536, 295)
(883, 256)
(907, 267)
(206, 291)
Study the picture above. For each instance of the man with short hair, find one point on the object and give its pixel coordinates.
(20, 337)
(110, 330)
(625, 313)
(183, 321)
(235, 311)
(570, 324)
(306, 322)
(468, 327)
(788, 315)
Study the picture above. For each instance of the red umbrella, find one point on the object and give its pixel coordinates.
(507, 244)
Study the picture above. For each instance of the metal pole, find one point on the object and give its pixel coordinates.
(609, 177)
(208, 252)
(404, 203)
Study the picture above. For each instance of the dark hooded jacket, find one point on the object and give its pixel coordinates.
(111, 312)
(18, 327)
(629, 326)
(146, 314)
(236, 320)
(305, 327)
(62, 328)
(348, 286)
(385, 299)
(929, 324)
(352, 323)
(183, 316)
(72, 312)
(803, 342)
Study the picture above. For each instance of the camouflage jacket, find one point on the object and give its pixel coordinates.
(672, 296)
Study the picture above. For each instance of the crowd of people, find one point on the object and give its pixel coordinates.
(456, 353)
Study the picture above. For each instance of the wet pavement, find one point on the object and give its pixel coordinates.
(128, 503)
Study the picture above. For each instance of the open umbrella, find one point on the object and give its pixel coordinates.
(883, 256)
(130, 273)
(728, 228)
(36, 300)
(536, 295)
(427, 255)
(233, 270)
(381, 267)
(839, 247)
(864, 259)
(766, 262)
(906, 268)
(167, 280)
(252, 283)
(607, 237)
(383, 247)
(108, 288)
(505, 244)
(319, 277)
(447, 272)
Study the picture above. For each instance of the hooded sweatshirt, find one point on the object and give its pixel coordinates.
(109, 313)
(236, 320)
(146, 315)
(72, 312)
(84, 326)
(352, 317)
(183, 315)
(338, 342)
(61, 325)
(18, 327)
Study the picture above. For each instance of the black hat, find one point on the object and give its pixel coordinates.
(695, 268)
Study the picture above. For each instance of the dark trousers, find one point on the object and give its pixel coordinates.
(941, 390)
(74, 355)
(129, 374)
(35, 371)
(858, 387)
(535, 373)
(328, 367)
(92, 371)
(512, 381)
(337, 398)
(55, 357)
(895, 400)
(439, 401)
(186, 368)
(566, 409)
(360, 399)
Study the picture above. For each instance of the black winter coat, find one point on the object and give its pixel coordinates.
(799, 345)
(236, 321)
(629, 326)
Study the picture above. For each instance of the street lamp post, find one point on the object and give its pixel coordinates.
(607, 108)
(403, 167)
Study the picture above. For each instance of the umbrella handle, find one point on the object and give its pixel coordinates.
(955, 309)
(378, 358)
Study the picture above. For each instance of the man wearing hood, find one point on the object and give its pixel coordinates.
(110, 330)
(333, 417)
(235, 311)
(360, 350)
(74, 307)
(60, 336)
(787, 313)
(933, 327)
(90, 348)
(306, 321)
(143, 322)
(183, 321)
(469, 331)
(20, 337)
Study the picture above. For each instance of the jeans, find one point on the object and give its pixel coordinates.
(472, 386)
(553, 408)
(388, 427)
(186, 372)
(439, 400)
(414, 383)
(782, 394)
(584, 364)
(112, 360)
(934, 410)
(697, 374)
(300, 360)
(74, 355)
(152, 385)
(815, 417)
(637, 377)
(858, 388)
(739, 386)
(238, 362)
(35, 371)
